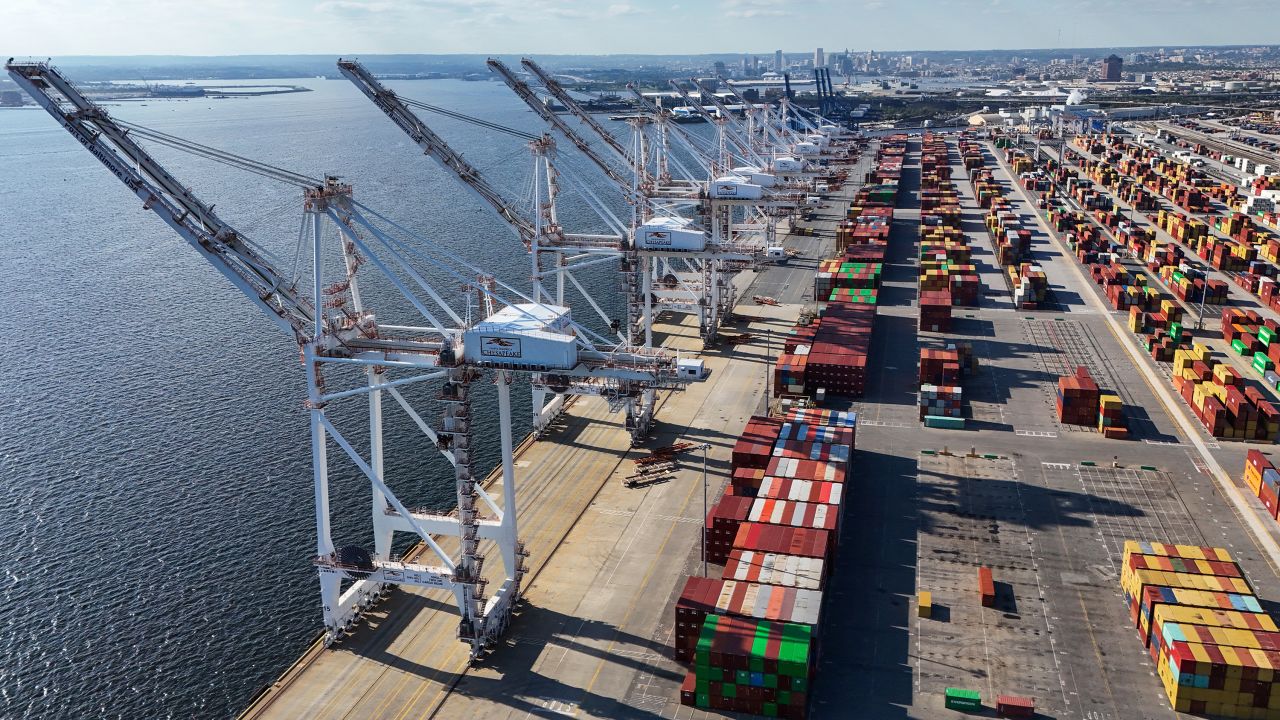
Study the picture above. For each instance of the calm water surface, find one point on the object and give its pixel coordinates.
(156, 512)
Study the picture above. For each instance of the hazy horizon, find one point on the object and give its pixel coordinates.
(221, 28)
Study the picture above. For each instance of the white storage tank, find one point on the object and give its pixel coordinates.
(525, 334)
(735, 187)
(756, 175)
(670, 233)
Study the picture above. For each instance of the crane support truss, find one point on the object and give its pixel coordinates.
(337, 334)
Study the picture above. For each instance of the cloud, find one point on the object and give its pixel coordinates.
(755, 8)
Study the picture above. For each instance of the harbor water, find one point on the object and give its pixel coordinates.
(158, 515)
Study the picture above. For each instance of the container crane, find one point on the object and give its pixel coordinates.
(541, 233)
(669, 237)
(334, 328)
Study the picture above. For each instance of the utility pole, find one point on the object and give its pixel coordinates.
(705, 448)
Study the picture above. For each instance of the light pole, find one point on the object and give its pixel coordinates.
(705, 448)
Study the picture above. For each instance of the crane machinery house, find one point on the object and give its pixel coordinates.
(670, 233)
(806, 148)
(756, 175)
(787, 165)
(735, 187)
(524, 334)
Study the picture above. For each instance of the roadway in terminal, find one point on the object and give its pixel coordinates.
(1047, 511)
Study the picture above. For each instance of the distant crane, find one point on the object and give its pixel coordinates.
(337, 332)
(539, 231)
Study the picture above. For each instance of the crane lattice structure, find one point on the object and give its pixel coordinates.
(539, 230)
(695, 278)
(349, 351)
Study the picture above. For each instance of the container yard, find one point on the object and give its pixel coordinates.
(983, 405)
(961, 492)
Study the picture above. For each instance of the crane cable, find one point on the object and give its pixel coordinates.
(221, 156)
(468, 118)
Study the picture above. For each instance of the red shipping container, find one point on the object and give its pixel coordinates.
(763, 537)
(1015, 707)
(986, 587)
(756, 443)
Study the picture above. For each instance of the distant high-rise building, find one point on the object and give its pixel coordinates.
(746, 65)
(719, 68)
(818, 60)
(777, 61)
(1111, 68)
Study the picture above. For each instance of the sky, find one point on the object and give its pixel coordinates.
(234, 27)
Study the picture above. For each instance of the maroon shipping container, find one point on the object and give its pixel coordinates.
(762, 537)
(756, 443)
(697, 600)
(722, 525)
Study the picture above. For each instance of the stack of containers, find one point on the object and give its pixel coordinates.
(1219, 398)
(722, 525)
(796, 571)
(1248, 332)
(935, 311)
(1077, 398)
(750, 634)
(1111, 422)
(1215, 651)
(1263, 481)
(837, 358)
(753, 601)
(1030, 285)
(751, 666)
(754, 448)
(788, 372)
(942, 406)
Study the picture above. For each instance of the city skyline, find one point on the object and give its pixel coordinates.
(234, 27)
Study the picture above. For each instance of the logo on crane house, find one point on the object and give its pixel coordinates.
(499, 347)
(658, 238)
(726, 189)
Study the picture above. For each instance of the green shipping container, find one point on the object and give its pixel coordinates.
(944, 422)
(961, 699)
(1239, 347)
(1262, 363)
(1265, 334)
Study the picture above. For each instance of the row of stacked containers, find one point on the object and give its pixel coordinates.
(750, 636)
(1262, 479)
(1216, 651)
(1123, 167)
(1027, 280)
(831, 352)
(1219, 397)
(947, 275)
(1253, 336)
(947, 278)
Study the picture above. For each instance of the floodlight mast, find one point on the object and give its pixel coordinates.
(333, 327)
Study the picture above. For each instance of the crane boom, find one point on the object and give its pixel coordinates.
(697, 105)
(435, 147)
(525, 93)
(218, 242)
(559, 93)
(744, 143)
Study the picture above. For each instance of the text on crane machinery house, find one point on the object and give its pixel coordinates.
(499, 347)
